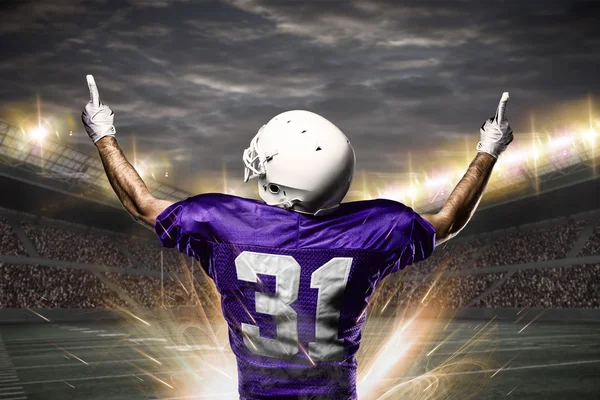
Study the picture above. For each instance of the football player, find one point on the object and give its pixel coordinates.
(296, 270)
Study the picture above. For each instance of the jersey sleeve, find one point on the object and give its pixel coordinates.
(186, 226)
(414, 241)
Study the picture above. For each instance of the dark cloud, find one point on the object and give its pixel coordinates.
(192, 81)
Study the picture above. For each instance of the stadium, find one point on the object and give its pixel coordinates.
(91, 307)
(377, 300)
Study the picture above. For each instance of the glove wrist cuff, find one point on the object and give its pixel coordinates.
(493, 149)
(95, 140)
(109, 132)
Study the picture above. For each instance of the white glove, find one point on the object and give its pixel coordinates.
(496, 133)
(97, 118)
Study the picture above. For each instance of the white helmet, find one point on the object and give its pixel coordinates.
(302, 161)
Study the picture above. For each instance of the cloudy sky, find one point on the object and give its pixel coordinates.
(192, 81)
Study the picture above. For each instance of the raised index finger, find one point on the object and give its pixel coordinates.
(94, 95)
(501, 108)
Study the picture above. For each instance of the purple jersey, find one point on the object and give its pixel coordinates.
(294, 287)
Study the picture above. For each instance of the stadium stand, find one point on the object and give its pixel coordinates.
(592, 246)
(148, 254)
(441, 292)
(34, 286)
(9, 242)
(449, 257)
(59, 244)
(532, 245)
(575, 286)
(455, 275)
(146, 291)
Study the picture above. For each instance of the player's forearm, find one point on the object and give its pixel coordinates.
(124, 179)
(462, 202)
(465, 197)
(496, 135)
(98, 121)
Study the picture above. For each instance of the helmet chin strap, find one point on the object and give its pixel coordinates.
(289, 205)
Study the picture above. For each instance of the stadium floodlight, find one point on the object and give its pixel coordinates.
(38, 134)
(412, 193)
(560, 142)
(422, 190)
(20, 149)
(437, 182)
(590, 135)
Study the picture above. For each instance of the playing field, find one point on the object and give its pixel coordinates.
(123, 360)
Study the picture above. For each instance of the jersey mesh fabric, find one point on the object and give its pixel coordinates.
(264, 377)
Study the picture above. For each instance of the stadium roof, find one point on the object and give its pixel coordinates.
(531, 168)
(52, 163)
(555, 161)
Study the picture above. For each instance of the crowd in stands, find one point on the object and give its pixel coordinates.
(148, 255)
(146, 291)
(524, 246)
(10, 244)
(448, 257)
(28, 286)
(592, 247)
(576, 286)
(439, 292)
(34, 286)
(75, 246)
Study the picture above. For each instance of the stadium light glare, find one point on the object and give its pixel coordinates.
(535, 153)
(38, 134)
(140, 169)
(436, 182)
(412, 193)
(513, 157)
(560, 142)
(590, 135)
(392, 193)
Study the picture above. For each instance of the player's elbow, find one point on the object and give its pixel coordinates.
(444, 225)
(138, 212)
(148, 209)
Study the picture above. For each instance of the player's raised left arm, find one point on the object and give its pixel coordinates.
(496, 135)
(131, 190)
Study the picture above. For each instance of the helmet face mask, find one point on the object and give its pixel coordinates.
(302, 161)
(253, 160)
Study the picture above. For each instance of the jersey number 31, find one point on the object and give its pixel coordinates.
(330, 279)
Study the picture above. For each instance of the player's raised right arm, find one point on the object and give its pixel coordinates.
(126, 182)
(496, 135)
